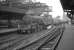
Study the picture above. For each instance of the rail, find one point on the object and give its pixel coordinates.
(32, 41)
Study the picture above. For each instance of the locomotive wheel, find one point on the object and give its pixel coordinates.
(39, 28)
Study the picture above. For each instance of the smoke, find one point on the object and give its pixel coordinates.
(57, 9)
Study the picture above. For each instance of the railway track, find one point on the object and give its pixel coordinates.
(37, 44)
(53, 42)
(32, 41)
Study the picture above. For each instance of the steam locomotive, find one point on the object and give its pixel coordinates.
(36, 17)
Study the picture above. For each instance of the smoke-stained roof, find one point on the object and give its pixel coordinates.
(67, 4)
